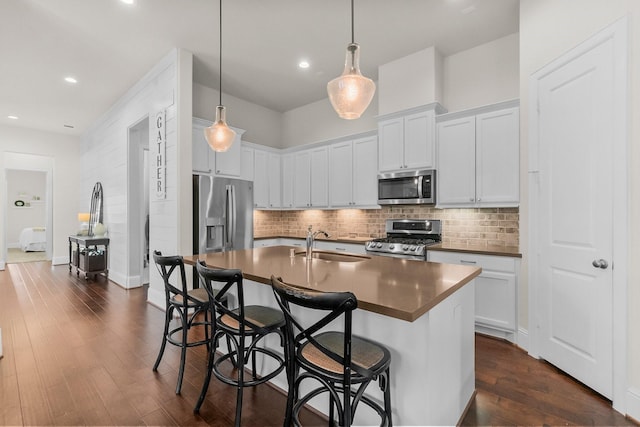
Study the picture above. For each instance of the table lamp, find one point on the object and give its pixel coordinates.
(84, 218)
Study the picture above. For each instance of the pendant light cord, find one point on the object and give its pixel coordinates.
(220, 81)
(352, 31)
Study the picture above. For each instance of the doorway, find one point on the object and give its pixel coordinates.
(578, 210)
(26, 200)
(138, 204)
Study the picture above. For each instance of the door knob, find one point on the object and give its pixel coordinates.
(600, 263)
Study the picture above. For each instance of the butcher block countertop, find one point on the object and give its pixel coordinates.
(403, 289)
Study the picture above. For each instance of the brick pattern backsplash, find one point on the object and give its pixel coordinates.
(482, 226)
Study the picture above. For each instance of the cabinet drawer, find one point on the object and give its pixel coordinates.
(486, 262)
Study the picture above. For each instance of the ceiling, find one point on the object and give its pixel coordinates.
(108, 46)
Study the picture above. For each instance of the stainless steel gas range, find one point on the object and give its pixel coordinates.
(407, 238)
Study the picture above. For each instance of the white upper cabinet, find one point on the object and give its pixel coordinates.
(353, 173)
(247, 164)
(207, 161)
(320, 177)
(407, 141)
(311, 180)
(260, 180)
(287, 180)
(266, 180)
(302, 179)
(479, 158)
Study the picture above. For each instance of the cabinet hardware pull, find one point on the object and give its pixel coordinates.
(341, 249)
(464, 261)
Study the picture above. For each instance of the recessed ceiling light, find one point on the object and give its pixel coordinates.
(70, 80)
(303, 64)
(12, 117)
(129, 2)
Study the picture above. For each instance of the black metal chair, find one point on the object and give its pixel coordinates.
(251, 321)
(343, 364)
(188, 304)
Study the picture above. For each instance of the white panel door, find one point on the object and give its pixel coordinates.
(575, 128)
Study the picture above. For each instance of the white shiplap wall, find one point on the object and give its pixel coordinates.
(104, 158)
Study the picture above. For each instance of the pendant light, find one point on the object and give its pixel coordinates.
(351, 93)
(219, 136)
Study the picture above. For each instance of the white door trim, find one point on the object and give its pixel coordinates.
(618, 33)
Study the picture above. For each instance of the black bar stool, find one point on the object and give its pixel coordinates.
(252, 321)
(343, 364)
(188, 304)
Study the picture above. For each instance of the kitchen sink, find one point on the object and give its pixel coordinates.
(332, 256)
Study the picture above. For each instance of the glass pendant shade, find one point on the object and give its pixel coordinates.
(351, 93)
(219, 136)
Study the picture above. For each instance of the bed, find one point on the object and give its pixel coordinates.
(33, 239)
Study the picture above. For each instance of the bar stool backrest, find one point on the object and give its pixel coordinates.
(336, 303)
(166, 265)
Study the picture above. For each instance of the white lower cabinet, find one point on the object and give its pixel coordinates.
(496, 290)
(353, 248)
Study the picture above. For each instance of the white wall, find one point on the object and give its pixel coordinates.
(318, 121)
(549, 28)
(104, 158)
(262, 125)
(64, 150)
(485, 74)
(25, 185)
(411, 81)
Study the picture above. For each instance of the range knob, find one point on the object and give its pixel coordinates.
(379, 245)
(391, 247)
(405, 247)
(413, 247)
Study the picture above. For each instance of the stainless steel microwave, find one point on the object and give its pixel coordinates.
(407, 188)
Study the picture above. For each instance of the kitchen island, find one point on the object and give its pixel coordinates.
(423, 312)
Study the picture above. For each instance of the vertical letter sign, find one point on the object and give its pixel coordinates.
(161, 157)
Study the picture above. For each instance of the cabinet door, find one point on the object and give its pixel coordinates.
(287, 180)
(247, 164)
(302, 180)
(498, 158)
(260, 180)
(365, 173)
(320, 177)
(496, 300)
(391, 144)
(275, 180)
(229, 163)
(456, 177)
(341, 174)
(200, 150)
(419, 140)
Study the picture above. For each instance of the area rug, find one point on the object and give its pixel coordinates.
(15, 255)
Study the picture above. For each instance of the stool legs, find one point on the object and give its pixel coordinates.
(167, 318)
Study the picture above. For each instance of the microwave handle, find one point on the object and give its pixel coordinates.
(420, 193)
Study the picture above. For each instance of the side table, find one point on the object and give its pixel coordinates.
(89, 255)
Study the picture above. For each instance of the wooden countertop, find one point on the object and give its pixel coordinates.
(399, 288)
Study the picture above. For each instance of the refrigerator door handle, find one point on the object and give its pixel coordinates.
(230, 225)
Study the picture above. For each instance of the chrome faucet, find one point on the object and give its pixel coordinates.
(311, 236)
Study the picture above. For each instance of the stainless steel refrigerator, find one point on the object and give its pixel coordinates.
(222, 214)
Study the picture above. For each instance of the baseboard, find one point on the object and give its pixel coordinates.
(494, 332)
(1, 264)
(633, 403)
(523, 339)
(13, 245)
(59, 260)
(156, 298)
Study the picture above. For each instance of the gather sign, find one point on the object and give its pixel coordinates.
(161, 156)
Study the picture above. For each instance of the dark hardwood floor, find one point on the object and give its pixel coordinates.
(80, 352)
